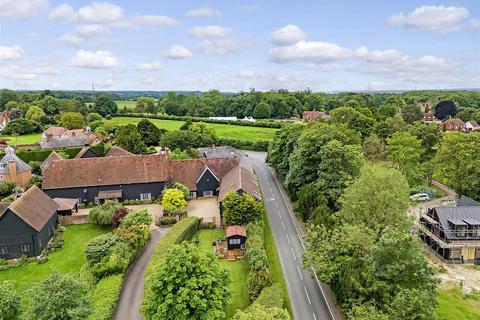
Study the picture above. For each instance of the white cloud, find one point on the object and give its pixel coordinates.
(149, 66)
(309, 51)
(178, 52)
(155, 21)
(100, 12)
(287, 35)
(11, 53)
(72, 40)
(432, 18)
(94, 60)
(90, 30)
(63, 12)
(475, 23)
(210, 32)
(21, 9)
(108, 82)
(14, 72)
(203, 12)
(47, 70)
(223, 46)
(149, 80)
(377, 55)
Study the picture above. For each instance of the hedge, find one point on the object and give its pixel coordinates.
(181, 231)
(105, 297)
(261, 123)
(259, 145)
(42, 154)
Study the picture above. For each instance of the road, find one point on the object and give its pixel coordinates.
(307, 296)
(132, 290)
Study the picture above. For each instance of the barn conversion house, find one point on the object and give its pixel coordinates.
(27, 224)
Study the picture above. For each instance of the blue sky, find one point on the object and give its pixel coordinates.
(235, 45)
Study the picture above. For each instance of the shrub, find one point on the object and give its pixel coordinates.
(99, 247)
(115, 262)
(119, 215)
(181, 231)
(9, 301)
(136, 236)
(105, 297)
(240, 209)
(260, 275)
(173, 198)
(103, 215)
(140, 217)
(60, 296)
(167, 221)
(7, 188)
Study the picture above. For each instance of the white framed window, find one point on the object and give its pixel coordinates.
(207, 193)
(234, 241)
(192, 194)
(25, 247)
(145, 196)
(3, 250)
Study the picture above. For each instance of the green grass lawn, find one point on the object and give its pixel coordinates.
(25, 139)
(222, 130)
(126, 103)
(238, 272)
(453, 304)
(70, 258)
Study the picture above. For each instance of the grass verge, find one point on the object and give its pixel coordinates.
(453, 304)
(275, 266)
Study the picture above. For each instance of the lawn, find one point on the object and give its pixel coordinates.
(25, 139)
(453, 304)
(70, 258)
(222, 130)
(238, 272)
(126, 103)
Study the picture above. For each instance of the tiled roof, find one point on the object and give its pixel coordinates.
(118, 152)
(10, 156)
(53, 156)
(83, 151)
(65, 203)
(34, 207)
(235, 231)
(187, 172)
(105, 171)
(239, 178)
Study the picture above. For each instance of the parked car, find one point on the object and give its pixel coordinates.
(420, 197)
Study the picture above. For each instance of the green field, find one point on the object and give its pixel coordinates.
(238, 272)
(70, 258)
(26, 139)
(126, 103)
(222, 130)
(453, 304)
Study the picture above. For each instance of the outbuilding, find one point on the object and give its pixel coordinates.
(27, 224)
(236, 237)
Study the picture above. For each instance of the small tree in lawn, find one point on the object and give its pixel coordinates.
(188, 284)
(59, 297)
(172, 199)
(9, 301)
(240, 209)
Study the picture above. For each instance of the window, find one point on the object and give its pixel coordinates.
(234, 241)
(3, 250)
(207, 193)
(25, 247)
(192, 194)
(460, 232)
(145, 196)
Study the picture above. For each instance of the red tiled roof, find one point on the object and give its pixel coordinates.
(239, 178)
(187, 172)
(118, 152)
(235, 231)
(105, 171)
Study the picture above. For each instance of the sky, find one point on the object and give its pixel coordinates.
(235, 45)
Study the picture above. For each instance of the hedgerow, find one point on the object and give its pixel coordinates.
(105, 297)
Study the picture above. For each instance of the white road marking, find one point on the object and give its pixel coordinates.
(288, 238)
(283, 225)
(299, 272)
(306, 293)
(323, 294)
(314, 317)
(293, 254)
(278, 212)
(276, 205)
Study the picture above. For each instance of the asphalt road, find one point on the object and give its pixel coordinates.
(133, 285)
(307, 296)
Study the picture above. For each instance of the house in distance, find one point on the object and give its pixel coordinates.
(59, 137)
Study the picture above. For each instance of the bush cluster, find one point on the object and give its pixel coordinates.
(260, 275)
(268, 304)
(103, 215)
(105, 296)
(261, 123)
(137, 218)
(259, 145)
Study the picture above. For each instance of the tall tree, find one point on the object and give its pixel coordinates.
(374, 148)
(72, 120)
(446, 108)
(151, 134)
(35, 113)
(458, 163)
(405, 151)
(240, 209)
(130, 139)
(412, 113)
(187, 285)
(105, 106)
(262, 110)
